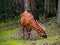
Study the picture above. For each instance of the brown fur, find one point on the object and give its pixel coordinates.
(28, 22)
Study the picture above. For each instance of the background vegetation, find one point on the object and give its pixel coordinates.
(10, 27)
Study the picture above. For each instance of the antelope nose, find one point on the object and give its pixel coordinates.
(45, 36)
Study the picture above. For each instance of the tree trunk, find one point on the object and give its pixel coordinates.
(30, 5)
(46, 8)
(50, 8)
(33, 9)
(27, 5)
(58, 16)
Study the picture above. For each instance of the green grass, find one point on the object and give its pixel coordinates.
(4, 34)
(28, 42)
(9, 23)
(5, 40)
(52, 30)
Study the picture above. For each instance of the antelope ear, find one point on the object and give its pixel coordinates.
(44, 28)
(41, 25)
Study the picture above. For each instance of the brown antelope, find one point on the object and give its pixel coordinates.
(28, 22)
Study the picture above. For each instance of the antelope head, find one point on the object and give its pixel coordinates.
(41, 30)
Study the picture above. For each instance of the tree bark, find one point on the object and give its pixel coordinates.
(46, 8)
(58, 16)
(33, 9)
(50, 8)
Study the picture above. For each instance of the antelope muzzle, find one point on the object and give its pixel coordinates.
(44, 36)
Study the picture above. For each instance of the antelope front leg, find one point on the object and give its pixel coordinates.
(28, 32)
(23, 32)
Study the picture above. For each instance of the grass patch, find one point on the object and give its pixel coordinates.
(53, 32)
(5, 40)
(29, 42)
(9, 23)
(4, 34)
